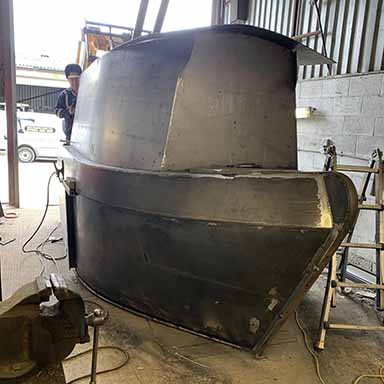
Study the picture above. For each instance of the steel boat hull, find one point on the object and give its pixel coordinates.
(227, 256)
(184, 201)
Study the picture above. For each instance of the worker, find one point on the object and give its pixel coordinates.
(66, 103)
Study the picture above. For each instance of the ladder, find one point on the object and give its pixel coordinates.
(338, 275)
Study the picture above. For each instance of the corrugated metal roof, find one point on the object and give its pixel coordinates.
(42, 63)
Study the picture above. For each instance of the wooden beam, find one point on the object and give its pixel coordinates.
(8, 55)
(140, 18)
(305, 35)
(161, 16)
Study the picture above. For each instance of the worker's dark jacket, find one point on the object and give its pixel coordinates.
(65, 109)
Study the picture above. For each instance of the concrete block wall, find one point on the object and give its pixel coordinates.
(350, 111)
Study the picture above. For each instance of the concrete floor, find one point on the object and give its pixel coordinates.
(160, 354)
(34, 174)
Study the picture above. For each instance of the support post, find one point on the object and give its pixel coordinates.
(217, 17)
(329, 301)
(8, 54)
(216, 11)
(161, 16)
(295, 16)
(140, 18)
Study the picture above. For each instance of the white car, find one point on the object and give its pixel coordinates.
(19, 107)
(39, 135)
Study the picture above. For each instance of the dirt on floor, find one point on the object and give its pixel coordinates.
(160, 354)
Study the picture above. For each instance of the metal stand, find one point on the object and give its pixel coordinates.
(337, 276)
(96, 320)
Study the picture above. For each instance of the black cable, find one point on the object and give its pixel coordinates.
(47, 239)
(329, 66)
(7, 242)
(38, 96)
(44, 243)
(126, 355)
(47, 256)
(41, 221)
(37, 250)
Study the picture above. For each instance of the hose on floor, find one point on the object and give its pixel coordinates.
(124, 362)
(126, 356)
(41, 220)
(379, 376)
(39, 250)
(317, 363)
(309, 348)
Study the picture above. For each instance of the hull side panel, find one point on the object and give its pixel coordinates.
(212, 278)
(228, 257)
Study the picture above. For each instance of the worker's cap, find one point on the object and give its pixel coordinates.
(72, 71)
